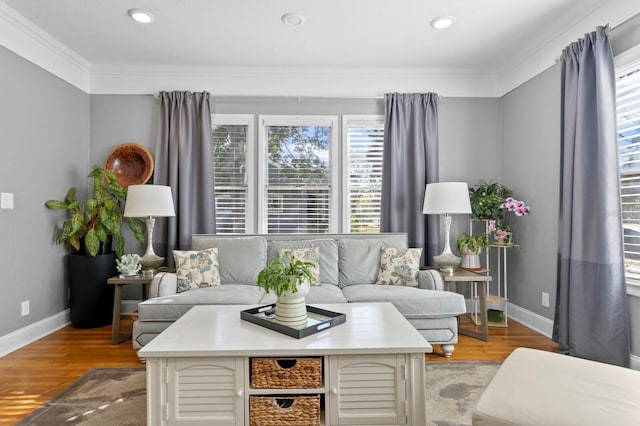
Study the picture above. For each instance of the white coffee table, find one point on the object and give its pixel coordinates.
(198, 369)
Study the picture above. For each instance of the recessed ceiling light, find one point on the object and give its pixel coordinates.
(442, 22)
(141, 16)
(293, 19)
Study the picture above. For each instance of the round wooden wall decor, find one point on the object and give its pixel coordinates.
(131, 163)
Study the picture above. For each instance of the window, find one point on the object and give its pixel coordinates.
(628, 121)
(363, 136)
(300, 176)
(232, 137)
(297, 174)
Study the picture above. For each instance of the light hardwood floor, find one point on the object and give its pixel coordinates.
(32, 375)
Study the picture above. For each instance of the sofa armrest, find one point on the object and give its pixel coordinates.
(163, 284)
(430, 279)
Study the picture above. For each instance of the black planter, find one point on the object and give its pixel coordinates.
(91, 298)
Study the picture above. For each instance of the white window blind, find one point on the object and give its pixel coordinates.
(628, 121)
(298, 175)
(364, 138)
(231, 138)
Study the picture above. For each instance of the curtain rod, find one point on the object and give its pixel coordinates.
(300, 98)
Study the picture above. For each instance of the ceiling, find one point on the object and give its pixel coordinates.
(487, 37)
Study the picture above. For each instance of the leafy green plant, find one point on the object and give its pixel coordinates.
(93, 222)
(487, 199)
(474, 243)
(284, 274)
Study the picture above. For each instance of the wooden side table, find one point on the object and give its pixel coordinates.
(465, 276)
(118, 282)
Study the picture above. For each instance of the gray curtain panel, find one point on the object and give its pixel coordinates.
(409, 162)
(183, 160)
(591, 318)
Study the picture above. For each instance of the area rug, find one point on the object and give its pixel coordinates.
(102, 396)
(117, 396)
(453, 389)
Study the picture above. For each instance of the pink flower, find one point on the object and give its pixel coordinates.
(516, 206)
(500, 234)
(491, 226)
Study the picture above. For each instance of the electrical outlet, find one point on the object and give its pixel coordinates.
(24, 308)
(545, 299)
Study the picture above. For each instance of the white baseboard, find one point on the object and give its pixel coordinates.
(532, 320)
(22, 337)
(29, 334)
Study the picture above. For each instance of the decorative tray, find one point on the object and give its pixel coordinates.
(318, 320)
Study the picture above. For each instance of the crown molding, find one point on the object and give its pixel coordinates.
(27, 40)
(265, 81)
(613, 13)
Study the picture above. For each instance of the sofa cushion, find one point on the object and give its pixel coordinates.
(240, 258)
(195, 269)
(170, 308)
(410, 301)
(311, 255)
(318, 294)
(399, 266)
(328, 255)
(360, 258)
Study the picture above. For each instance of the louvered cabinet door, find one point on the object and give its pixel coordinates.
(205, 392)
(368, 390)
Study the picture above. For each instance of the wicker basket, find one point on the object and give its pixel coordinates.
(284, 410)
(286, 373)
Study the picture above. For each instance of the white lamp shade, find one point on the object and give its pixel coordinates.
(446, 197)
(149, 201)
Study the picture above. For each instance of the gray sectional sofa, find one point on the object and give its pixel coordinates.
(348, 272)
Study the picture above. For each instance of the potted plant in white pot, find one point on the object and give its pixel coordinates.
(470, 247)
(89, 229)
(290, 279)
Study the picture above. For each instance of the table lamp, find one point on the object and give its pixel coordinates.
(149, 201)
(447, 198)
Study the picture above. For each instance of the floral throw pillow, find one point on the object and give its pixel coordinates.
(307, 255)
(399, 266)
(195, 269)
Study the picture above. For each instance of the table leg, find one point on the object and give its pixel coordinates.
(115, 325)
(484, 335)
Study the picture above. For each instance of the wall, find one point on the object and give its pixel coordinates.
(469, 152)
(118, 119)
(44, 149)
(531, 168)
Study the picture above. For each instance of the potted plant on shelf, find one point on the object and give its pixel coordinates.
(89, 230)
(470, 247)
(487, 200)
(500, 230)
(290, 279)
